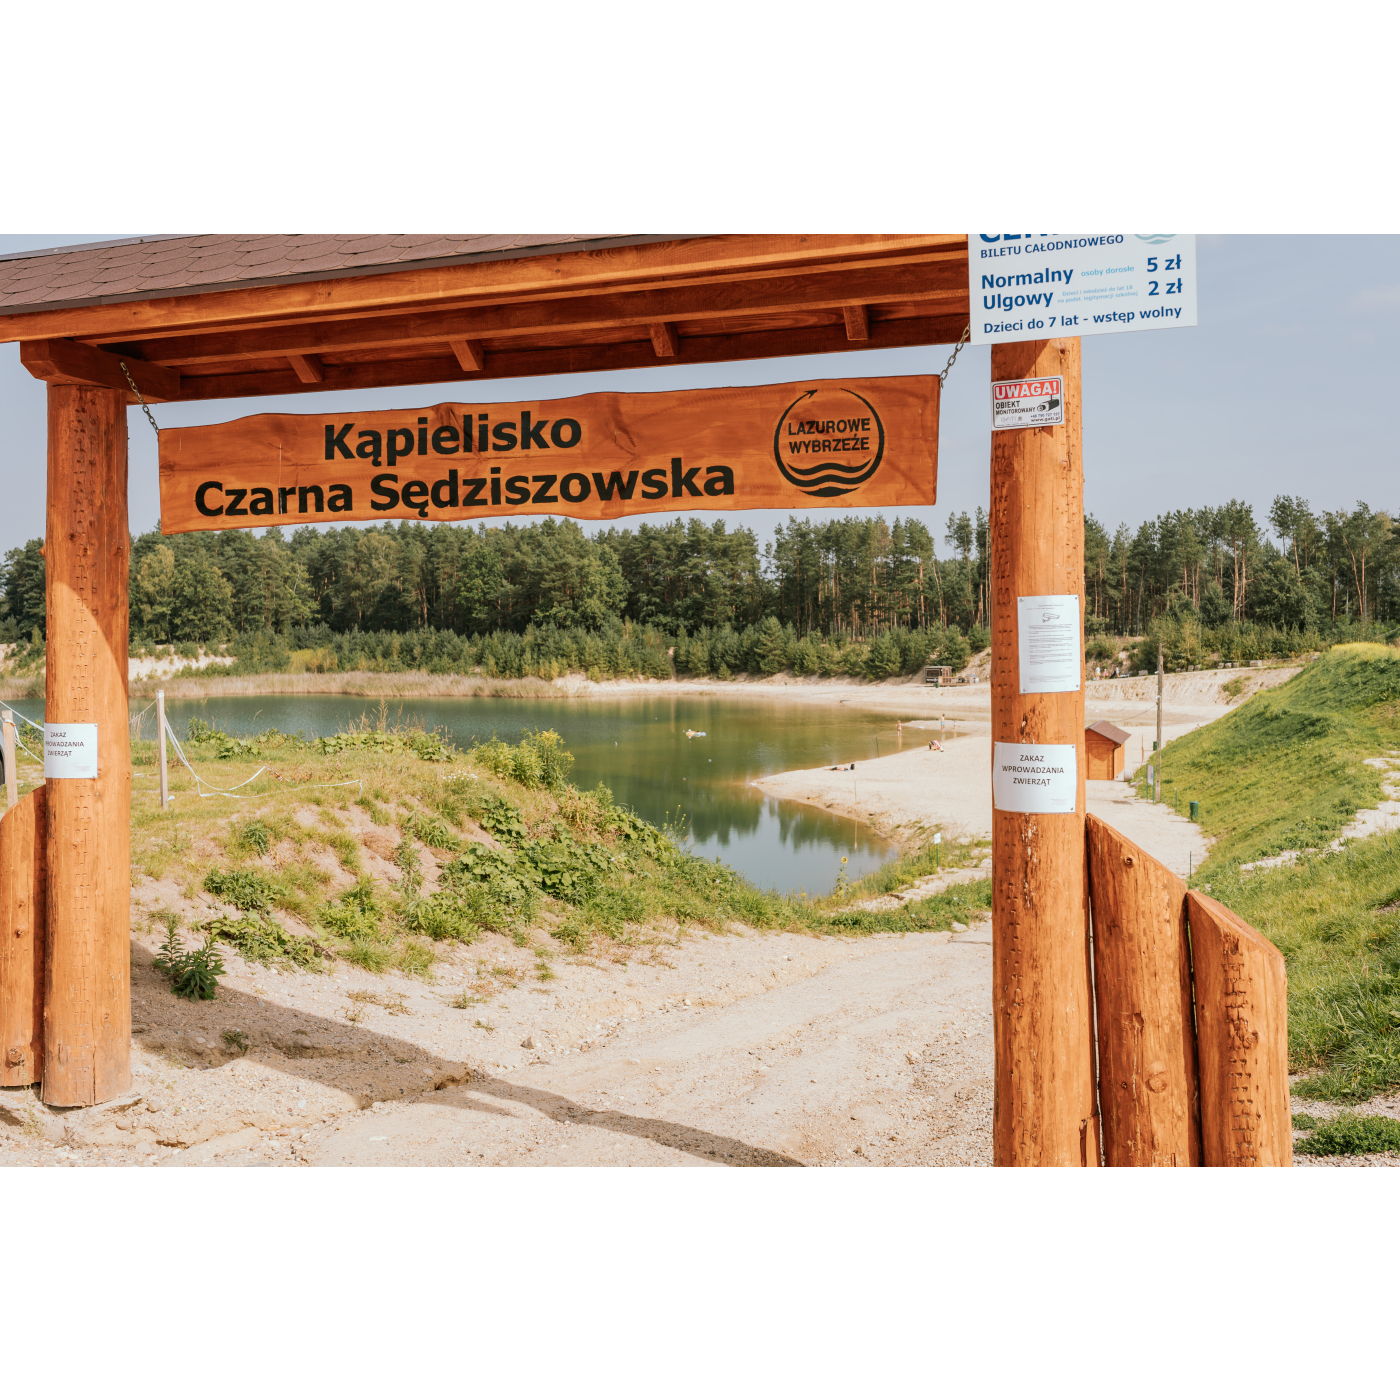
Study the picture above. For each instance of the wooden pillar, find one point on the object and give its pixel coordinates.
(1045, 1108)
(1242, 1037)
(87, 1002)
(1149, 1092)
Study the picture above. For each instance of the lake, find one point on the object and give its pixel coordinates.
(638, 747)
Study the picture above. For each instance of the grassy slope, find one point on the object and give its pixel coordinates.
(339, 871)
(1287, 771)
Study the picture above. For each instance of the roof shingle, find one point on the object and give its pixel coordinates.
(132, 269)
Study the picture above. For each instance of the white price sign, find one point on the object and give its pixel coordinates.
(1049, 643)
(70, 751)
(1034, 777)
(1034, 286)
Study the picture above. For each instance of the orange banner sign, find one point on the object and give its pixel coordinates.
(866, 442)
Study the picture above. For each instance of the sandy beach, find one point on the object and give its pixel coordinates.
(915, 791)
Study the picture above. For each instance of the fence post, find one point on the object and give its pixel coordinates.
(1149, 1092)
(23, 946)
(7, 747)
(160, 732)
(1242, 1040)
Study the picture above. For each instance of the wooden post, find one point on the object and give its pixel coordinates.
(1042, 998)
(22, 915)
(1242, 1040)
(7, 747)
(160, 734)
(1149, 1093)
(87, 1001)
(1157, 767)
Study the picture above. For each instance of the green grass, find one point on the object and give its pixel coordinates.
(1331, 917)
(1287, 771)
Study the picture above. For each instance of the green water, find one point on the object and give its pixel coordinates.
(638, 747)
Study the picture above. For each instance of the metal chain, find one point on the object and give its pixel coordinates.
(152, 420)
(942, 378)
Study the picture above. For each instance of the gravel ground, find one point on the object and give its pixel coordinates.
(738, 1049)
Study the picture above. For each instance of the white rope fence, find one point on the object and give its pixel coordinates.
(200, 783)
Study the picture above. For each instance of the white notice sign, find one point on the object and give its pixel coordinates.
(1051, 648)
(1028, 403)
(70, 751)
(1034, 777)
(1036, 286)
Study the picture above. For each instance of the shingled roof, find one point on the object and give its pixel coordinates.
(131, 269)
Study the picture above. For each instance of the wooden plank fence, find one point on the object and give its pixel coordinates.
(1192, 1020)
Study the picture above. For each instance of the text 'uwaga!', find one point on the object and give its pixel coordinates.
(596, 457)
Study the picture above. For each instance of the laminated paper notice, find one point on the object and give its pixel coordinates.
(1050, 644)
(70, 751)
(1034, 777)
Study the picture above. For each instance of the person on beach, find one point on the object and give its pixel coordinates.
(935, 746)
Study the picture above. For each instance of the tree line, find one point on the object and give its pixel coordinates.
(826, 586)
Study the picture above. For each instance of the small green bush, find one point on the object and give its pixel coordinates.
(1351, 1135)
(429, 747)
(263, 940)
(539, 760)
(193, 974)
(248, 890)
(432, 831)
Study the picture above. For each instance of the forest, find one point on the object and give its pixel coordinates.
(855, 595)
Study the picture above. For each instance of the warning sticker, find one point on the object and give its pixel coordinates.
(1028, 403)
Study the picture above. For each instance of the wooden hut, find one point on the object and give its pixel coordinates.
(1103, 750)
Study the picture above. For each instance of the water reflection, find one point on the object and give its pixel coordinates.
(638, 747)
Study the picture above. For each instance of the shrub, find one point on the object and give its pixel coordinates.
(265, 941)
(1351, 1135)
(539, 760)
(193, 974)
(432, 831)
(429, 747)
(248, 890)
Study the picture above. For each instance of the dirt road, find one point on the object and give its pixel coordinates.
(735, 1049)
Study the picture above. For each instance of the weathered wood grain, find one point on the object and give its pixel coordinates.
(68, 362)
(87, 997)
(1042, 996)
(1242, 1040)
(23, 912)
(1149, 1092)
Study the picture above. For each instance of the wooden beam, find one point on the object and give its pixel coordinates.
(308, 368)
(67, 362)
(658, 263)
(469, 355)
(857, 323)
(1242, 1034)
(1042, 999)
(939, 285)
(23, 912)
(664, 340)
(1149, 1091)
(87, 989)
(515, 363)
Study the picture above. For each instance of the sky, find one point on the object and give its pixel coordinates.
(1269, 394)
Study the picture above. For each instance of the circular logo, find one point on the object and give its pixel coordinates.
(829, 441)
